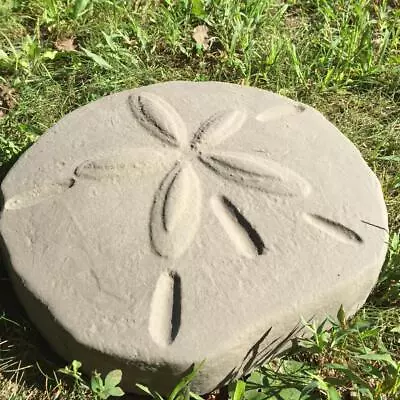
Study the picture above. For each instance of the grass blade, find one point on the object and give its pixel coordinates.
(239, 390)
(97, 59)
(185, 381)
(79, 7)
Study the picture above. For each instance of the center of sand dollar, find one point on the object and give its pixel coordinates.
(189, 155)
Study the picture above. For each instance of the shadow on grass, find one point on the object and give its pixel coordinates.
(260, 353)
(287, 384)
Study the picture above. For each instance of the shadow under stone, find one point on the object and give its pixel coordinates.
(21, 345)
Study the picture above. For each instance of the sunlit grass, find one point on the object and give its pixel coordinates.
(342, 57)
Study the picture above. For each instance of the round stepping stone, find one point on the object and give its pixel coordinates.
(181, 222)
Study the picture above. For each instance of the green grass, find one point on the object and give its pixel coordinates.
(340, 56)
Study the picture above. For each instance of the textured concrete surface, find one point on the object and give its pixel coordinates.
(182, 222)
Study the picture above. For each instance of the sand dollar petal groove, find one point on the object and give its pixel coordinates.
(256, 172)
(176, 211)
(159, 118)
(38, 194)
(219, 127)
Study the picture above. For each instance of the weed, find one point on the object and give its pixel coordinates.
(103, 390)
(181, 390)
(73, 371)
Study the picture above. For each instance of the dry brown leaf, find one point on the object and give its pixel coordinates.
(129, 41)
(66, 44)
(200, 36)
(7, 99)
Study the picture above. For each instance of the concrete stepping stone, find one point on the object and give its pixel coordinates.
(180, 222)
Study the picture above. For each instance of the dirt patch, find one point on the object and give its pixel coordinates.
(7, 99)
(65, 44)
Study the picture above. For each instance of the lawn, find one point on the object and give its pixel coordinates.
(340, 56)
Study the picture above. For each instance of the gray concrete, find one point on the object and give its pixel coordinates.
(183, 221)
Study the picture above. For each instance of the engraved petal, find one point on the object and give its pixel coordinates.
(137, 161)
(175, 215)
(38, 194)
(165, 309)
(219, 127)
(243, 235)
(282, 111)
(176, 198)
(333, 228)
(159, 117)
(256, 172)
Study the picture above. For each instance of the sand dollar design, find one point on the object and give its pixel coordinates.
(180, 222)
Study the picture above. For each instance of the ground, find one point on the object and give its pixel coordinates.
(340, 56)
